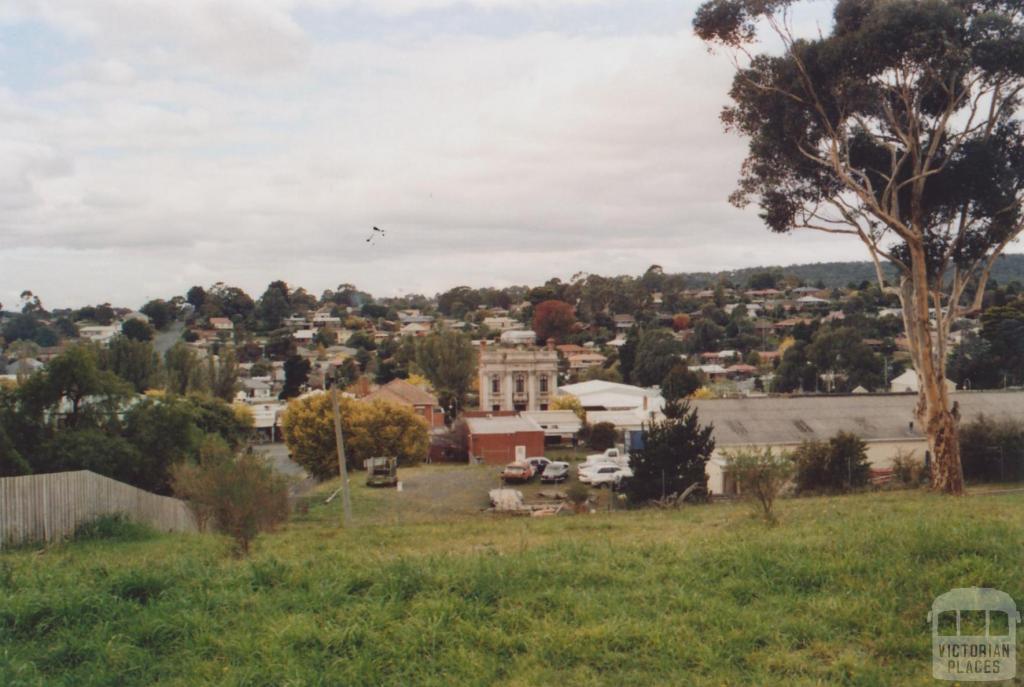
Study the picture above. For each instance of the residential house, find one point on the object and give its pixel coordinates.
(414, 329)
(519, 337)
(404, 393)
(502, 324)
(222, 324)
(256, 390)
(583, 361)
(99, 333)
(624, 322)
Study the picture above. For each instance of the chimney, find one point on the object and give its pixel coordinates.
(645, 402)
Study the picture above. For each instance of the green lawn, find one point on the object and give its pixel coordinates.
(835, 594)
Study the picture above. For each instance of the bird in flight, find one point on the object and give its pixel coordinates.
(377, 231)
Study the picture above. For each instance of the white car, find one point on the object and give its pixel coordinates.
(607, 476)
(603, 474)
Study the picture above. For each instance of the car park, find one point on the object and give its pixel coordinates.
(556, 471)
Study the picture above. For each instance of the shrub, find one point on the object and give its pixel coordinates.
(241, 496)
(577, 494)
(837, 465)
(761, 475)
(908, 469)
(602, 436)
(673, 458)
(116, 526)
(992, 450)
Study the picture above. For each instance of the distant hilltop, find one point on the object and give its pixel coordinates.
(835, 274)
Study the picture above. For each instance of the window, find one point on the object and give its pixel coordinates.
(520, 385)
(543, 384)
(495, 385)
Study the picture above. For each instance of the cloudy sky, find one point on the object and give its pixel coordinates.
(150, 145)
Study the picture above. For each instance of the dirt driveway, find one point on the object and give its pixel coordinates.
(438, 491)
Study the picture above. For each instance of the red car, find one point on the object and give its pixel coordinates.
(517, 472)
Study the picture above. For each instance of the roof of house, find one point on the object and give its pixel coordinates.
(401, 391)
(509, 424)
(873, 417)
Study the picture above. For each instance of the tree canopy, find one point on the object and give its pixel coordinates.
(901, 127)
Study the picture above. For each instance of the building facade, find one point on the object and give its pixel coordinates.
(517, 378)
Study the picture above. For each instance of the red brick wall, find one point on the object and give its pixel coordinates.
(500, 449)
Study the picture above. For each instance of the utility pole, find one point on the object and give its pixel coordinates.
(346, 502)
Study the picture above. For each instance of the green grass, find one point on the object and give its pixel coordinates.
(835, 594)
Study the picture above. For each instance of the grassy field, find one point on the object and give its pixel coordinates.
(835, 594)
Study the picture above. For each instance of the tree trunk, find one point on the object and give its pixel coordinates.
(938, 420)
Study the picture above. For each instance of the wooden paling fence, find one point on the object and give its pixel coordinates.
(49, 507)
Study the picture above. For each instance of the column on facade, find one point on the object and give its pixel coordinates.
(485, 391)
(534, 389)
(508, 404)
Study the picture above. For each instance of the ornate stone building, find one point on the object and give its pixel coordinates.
(517, 378)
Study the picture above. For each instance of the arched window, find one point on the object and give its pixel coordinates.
(543, 384)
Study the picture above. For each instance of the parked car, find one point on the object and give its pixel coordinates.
(517, 472)
(612, 456)
(539, 464)
(382, 471)
(604, 475)
(556, 471)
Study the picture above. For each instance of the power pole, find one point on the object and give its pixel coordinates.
(343, 470)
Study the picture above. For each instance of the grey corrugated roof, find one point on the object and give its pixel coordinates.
(876, 417)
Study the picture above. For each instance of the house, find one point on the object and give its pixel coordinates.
(885, 422)
(740, 371)
(811, 302)
(325, 319)
(598, 394)
(713, 371)
(414, 329)
(403, 393)
(222, 324)
(502, 324)
(909, 383)
(571, 349)
(559, 426)
(504, 439)
(99, 333)
(783, 325)
(266, 419)
(618, 342)
(256, 389)
(583, 361)
(518, 337)
(304, 335)
(624, 322)
(720, 357)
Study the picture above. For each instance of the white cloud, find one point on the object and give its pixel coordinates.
(240, 148)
